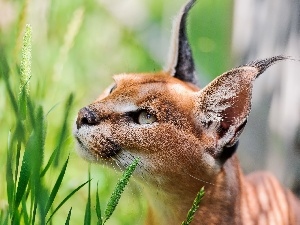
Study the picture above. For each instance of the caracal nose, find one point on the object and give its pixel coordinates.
(86, 117)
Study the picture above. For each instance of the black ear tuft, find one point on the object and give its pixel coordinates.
(263, 64)
(185, 68)
(181, 63)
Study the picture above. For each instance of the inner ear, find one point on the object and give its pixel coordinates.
(230, 148)
(224, 128)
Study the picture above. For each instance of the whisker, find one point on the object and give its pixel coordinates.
(199, 179)
(118, 163)
(196, 178)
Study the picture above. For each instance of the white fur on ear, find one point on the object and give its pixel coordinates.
(180, 63)
(223, 106)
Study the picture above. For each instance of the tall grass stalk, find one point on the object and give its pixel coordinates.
(29, 197)
(194, 208)
(116, 195)
(26, 60)
(98, 208)
(87, 216)
(25, 68)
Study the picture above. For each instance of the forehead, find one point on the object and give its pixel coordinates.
(141, 90)
(152, 82)
(133, 91)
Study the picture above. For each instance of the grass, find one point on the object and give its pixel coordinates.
(194, 207)
(28, 201)
(75, 48)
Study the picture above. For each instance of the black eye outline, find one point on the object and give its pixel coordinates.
(112, 89)
(135, 115)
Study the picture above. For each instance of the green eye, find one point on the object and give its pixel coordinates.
(146, 117)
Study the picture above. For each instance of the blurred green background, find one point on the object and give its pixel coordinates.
(77, 47)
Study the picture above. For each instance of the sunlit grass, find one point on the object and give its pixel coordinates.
(75, 48)
(30, 199)
(194, 207)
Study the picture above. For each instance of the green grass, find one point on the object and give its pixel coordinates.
(29, 199)
(75, 48)
(194, 207)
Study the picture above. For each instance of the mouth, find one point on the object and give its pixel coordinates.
(79, 141)
(105, 149)
(111, 149)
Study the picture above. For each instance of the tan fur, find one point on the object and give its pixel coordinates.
(186, 146)
(174, 162)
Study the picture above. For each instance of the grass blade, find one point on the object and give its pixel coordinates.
(12, 98)
(87, 215)
(56, 187)
(116, 195)
(17, 161)
(30, 168)
(34, 213)
(98, 208)
(23, 103)
(66, 198)
(39, 143)
(49, 163)
(16, 220)
(4, 217)
(10, 184)
(31, 109)
(63, 132)
(68, 217)
(37, 152)
(61, 138)
(195, 206)
(4, 68)
(25, 173)
(25, 213)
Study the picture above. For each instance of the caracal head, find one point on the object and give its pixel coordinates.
(165, 119)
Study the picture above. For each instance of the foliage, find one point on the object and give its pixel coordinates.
(113, 200)
(28, 198)
(26, 187)
(119, 189)
(77, 46)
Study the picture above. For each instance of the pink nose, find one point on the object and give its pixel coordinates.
(86, 117)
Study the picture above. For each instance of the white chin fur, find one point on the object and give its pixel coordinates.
(84, 153)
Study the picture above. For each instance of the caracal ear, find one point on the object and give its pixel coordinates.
(223, 106)
(181, 63)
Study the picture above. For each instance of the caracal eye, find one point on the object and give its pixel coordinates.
(112, 89)
(146, 117)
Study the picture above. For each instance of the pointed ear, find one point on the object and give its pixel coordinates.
(181, 63)
(223, 106)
